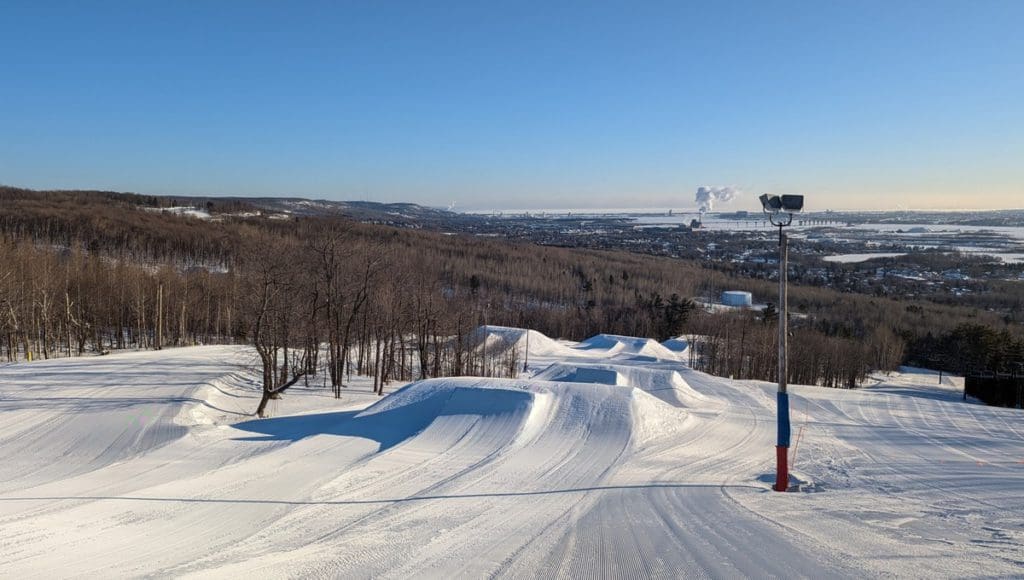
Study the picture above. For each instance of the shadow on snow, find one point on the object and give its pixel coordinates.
(393, 425)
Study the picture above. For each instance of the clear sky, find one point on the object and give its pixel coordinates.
(857, 104)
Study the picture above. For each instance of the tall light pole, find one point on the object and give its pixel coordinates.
(780, 210)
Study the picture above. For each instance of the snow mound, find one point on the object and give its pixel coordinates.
(613, 345)
(665, 384)
(500, 339)
(497, 415)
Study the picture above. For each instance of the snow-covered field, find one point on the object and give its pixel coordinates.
(858, 258)
(606, 458)
(184, 211)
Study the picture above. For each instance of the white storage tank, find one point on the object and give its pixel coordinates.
(737, 298)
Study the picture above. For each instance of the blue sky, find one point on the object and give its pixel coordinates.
(856, 104)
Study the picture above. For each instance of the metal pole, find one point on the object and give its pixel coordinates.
(782, 444)
(526, 357)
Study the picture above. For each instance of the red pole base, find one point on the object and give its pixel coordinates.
(782, 471)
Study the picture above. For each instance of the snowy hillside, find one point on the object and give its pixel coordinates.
(605, 458)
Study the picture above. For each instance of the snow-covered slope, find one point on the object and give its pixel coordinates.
(607, 458)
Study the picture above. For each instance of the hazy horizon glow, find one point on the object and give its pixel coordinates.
(866, 105)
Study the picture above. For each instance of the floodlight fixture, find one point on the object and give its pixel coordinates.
(793, 203)
(771, 203)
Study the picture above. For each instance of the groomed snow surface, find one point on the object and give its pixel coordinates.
(606, 458)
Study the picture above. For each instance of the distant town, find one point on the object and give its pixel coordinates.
(931, 255)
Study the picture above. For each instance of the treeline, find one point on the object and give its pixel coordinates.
(69, 302)
(331, 296)
(744, 345)
(96, 198)
(125, 226)
(970, 348)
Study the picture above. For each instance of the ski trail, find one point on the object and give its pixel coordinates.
(612, 460)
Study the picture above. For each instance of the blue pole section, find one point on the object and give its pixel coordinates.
(783, 400)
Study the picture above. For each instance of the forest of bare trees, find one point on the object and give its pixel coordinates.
(744, 344)
(330, 298)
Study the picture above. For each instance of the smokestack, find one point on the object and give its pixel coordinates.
(707, 196)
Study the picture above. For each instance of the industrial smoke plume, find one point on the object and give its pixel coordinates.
(707, 196)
